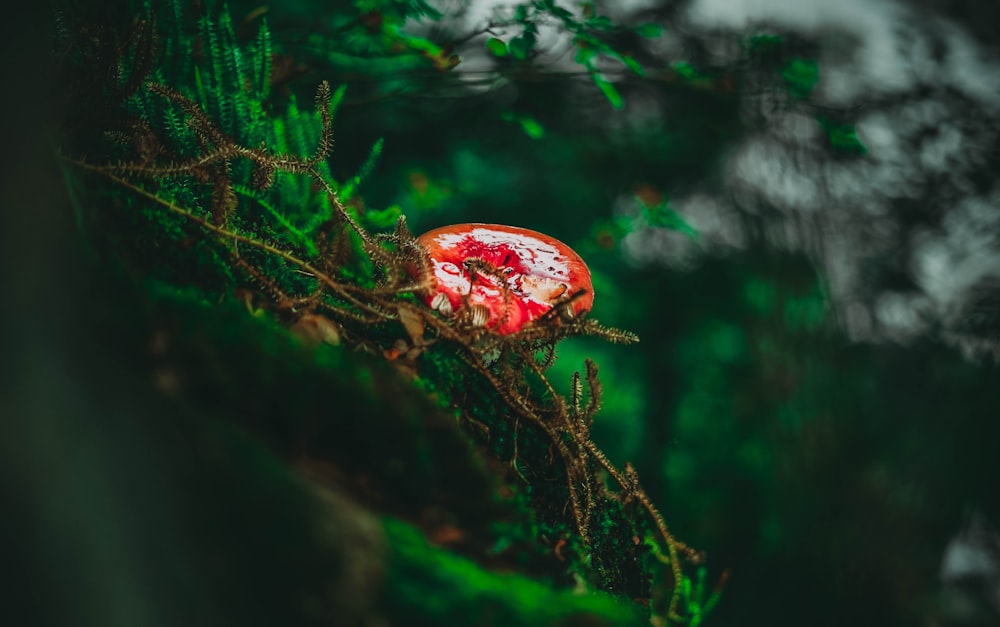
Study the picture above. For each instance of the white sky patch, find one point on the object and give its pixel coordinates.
(949, 263)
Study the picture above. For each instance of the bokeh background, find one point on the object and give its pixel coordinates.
(794, 204)
(797, 210)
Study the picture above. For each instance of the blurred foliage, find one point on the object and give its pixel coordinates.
(824, 476)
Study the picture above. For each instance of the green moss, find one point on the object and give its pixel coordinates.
(427, 585)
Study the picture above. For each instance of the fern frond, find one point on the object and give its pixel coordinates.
(299, 124)
(216, 76)
(178, 45)
(198, 120)
(299, 238)
(233, 68)
(142, 41)
(262, 61)
(348, 189)
(176, 128)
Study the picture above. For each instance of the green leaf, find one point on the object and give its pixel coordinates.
(665, 217)
(422, 44)
(609, 91)
(649, 30)
(295, 235)
(600, 22)
(262, 63)
(585, 52)
(336, 99)
(842, 137)
(531, 127)
(633, 65)
(556, 10)
(497, 47)
(347, 191)
(380, 219)
(801, 76)
(686, 70)
(521, 46)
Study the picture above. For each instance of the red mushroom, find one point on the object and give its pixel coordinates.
(503, 277)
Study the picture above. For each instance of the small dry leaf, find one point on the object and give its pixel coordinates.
(316, 329)
(413, 322)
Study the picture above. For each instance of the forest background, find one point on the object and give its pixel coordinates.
(794, 207)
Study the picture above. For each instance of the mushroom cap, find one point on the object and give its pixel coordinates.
(513, 274)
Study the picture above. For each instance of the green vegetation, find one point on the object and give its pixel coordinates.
(216, 186)
(260, 422)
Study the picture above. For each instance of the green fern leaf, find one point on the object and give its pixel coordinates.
(347, 191)
(262, 61)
